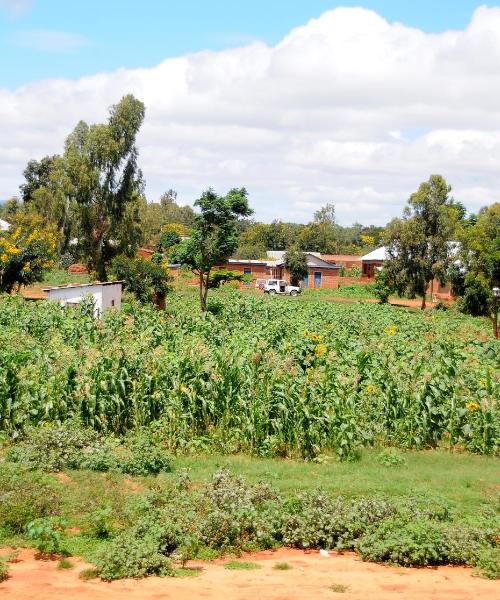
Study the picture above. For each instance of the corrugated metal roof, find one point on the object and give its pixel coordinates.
(78, 285)
(378, 254)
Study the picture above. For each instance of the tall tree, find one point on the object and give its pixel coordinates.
(418, 244)
(325, 215)
(296, 265)
(480, 258)
(101, 161)
(214, 236)
(36, 175)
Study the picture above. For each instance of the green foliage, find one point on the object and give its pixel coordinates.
(296, 265)
(27, 250)
(64, 563)
(418, 245)
(488, 564)
(214, 236)
(46, 532)
(282, 566)
(287, 379)
(238, 565)
(54, 448)
(223, 276)
(101, 164)
(383, 286)
(475, 296)
(390, 459)
(146, 279)
(4, 570)
(25, 497)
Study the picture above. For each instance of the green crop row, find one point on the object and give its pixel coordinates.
(271, 377)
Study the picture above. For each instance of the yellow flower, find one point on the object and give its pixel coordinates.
(370, 388)
(472, 406)
(482, 382)
(320, 350)
(391, 330)
(306, 333)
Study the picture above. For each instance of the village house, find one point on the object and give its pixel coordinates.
(105, 295)
(344, 260)
(320, 273)
(374, 261)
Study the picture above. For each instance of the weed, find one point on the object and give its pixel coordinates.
(64, 563)
(236, 565)
(88, 574)
(339, 588)
(282, 566)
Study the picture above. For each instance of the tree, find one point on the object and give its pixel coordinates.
(147, 280)
(27, 250)
(36, 175)
(480, 258)
(325, 215)
(418, 244)
(214, 236)
(318, 237)
(10, 208)
(296, 265)
(101, 161)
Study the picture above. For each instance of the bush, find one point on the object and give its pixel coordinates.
(46, 532)
(488, 563)
(24, 497)
(4, 570)
(146, 279)
(136, 552)
(410, 544)
(69, 446)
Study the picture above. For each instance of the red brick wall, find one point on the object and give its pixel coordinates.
(370, 266)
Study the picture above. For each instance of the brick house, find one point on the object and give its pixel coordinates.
(320, 273)
(374, 261)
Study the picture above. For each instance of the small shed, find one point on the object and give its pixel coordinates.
(105, 295)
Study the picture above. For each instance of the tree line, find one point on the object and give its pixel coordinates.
(88, 204)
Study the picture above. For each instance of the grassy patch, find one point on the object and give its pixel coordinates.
(61, 277)
(64, 563)
(187, 572)
(339, 588)
(236, 565)
(88, 574)
(282, 566)
(468, 481)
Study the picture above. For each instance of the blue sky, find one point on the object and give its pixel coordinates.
(332, 103)
(62, 38)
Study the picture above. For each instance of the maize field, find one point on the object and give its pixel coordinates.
(264, 376)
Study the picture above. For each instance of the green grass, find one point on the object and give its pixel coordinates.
(88, 574)
(282, 566)
(469, 481)
(61, 277)
(64, 563)
(236, 565)
(188, 572)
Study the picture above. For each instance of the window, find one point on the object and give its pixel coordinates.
(247, 271)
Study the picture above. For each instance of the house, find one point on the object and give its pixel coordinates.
(372, 261)
(320, 273)
(105, 295)
(4, 225)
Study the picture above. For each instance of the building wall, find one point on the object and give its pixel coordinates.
(369, 268)
(104, 296)
(329, 278)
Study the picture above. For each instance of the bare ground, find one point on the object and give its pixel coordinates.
(311, 577)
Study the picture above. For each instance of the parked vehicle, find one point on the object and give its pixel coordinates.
(260, 284)
(279, 286)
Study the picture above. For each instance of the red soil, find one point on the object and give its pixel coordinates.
(311, 577)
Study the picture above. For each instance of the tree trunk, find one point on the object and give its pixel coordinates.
(496, 331)
(423, 302)
(203, 304)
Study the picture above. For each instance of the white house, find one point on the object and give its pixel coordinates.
(105, 295)
(4, 225)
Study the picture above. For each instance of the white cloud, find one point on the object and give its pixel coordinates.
(16, 8)
(348, 109)
(47, 41)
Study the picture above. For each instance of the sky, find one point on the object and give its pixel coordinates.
(302, 102)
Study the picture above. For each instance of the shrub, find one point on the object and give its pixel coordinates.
(144, 456)
(410, 544)
(4, 570)
(488, 563)
(46, 532)
(24, 497)
(136, 552)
